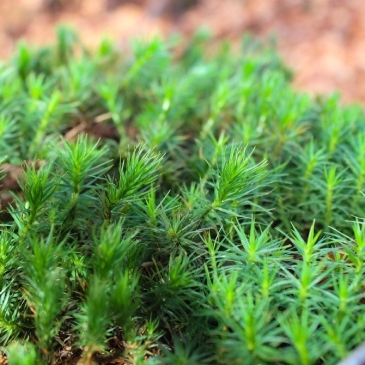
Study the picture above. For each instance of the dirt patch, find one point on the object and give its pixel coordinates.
(321, 40)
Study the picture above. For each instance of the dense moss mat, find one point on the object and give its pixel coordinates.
(186, 207)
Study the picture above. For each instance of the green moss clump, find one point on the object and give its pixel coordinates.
(184, 209)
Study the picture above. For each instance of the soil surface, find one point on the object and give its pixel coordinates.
(323, 41)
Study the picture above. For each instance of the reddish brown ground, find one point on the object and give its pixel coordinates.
(322, 40)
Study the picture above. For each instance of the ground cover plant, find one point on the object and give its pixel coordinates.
(176, 205)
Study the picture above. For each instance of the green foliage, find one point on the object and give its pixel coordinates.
(22, 354)
(177, 208)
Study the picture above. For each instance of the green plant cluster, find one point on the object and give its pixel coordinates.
(187, 207)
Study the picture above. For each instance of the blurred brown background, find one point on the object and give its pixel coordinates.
(323, 41)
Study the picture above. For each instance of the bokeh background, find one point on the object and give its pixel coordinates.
(322, 41)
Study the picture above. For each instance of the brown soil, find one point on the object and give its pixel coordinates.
(321, 40)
